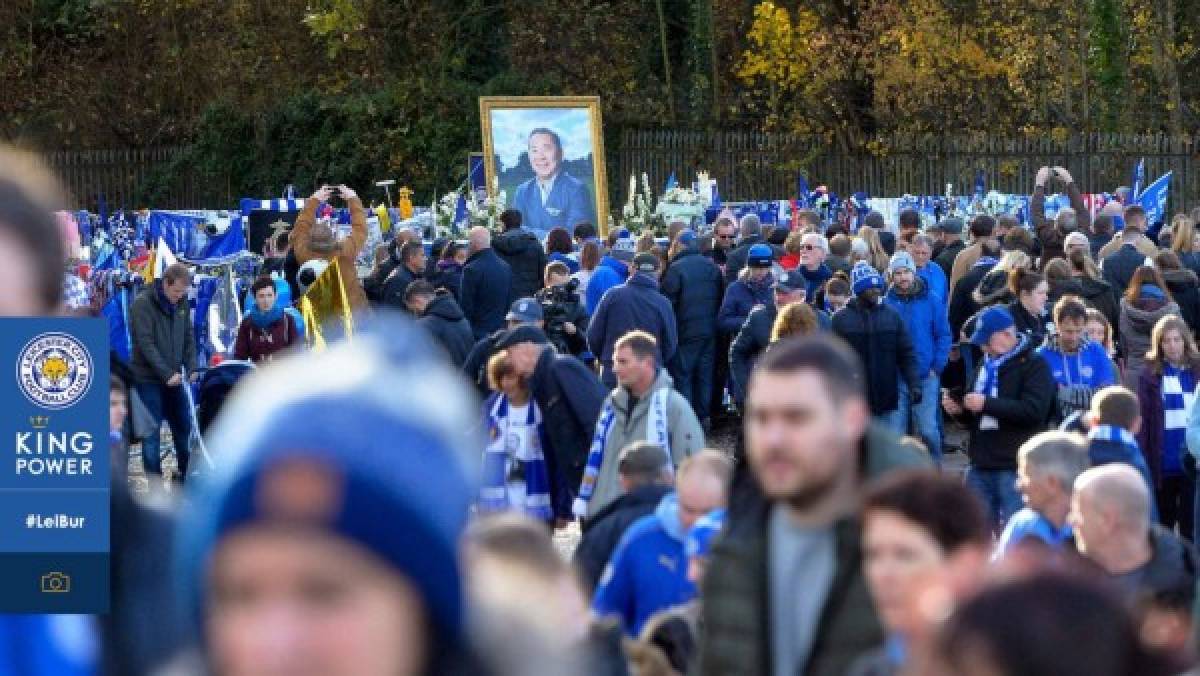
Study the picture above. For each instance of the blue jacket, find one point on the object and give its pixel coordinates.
(484, 294)
(693, 285)
(935, 281)
(1089, 366)
(609, 273)
(648, 572)
(740, 299)
(636, 304)
(1104, 452)
(571, 263)
(925, 318)
(814, 280)
(569, 204)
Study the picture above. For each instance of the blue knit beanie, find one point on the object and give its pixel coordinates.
(863, 277)
(393, 474)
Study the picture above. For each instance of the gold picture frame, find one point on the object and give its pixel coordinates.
(506, 123)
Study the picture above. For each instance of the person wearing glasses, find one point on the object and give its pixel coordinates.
(813, 252)
(724, 236)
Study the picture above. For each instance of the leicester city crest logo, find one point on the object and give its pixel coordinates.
(54, 370)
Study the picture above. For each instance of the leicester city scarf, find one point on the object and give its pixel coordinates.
(1116, 435)
(512, 443)
(988, 382)
(1178, 393)
(656, 433)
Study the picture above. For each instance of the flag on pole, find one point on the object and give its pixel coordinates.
(1139, 177)
(326, 310)
(1154, 199)
(802, 191)
(672, 182)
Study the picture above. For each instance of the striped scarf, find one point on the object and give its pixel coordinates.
(988, 382)
(656, 432)
(1114, 434)
(513, 465)
(1178, 393)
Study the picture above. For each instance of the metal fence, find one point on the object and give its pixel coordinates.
(748, 165)
(751, 165)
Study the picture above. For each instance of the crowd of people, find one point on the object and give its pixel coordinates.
(397, 503)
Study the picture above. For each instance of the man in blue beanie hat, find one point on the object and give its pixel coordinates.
(326, 542)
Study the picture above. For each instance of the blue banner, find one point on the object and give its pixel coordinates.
(54, 486)
(1139, 178)
(1154, 199)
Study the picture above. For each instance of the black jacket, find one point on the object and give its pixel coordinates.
(1103, 297)
(962, 299)
(484, 295)
(1027, 323)
(448, 277)
(694, 286)
(1120, 265)
(570, 398)
(737, 258)
(392, 292)
(523, 252)
(1169, 577)
(750, 342)
(1026, 391)
(373, 284)
(1184, 288)
(945, 257)
(445, 322)
(602, 532)
(571, 310)
(878, 334)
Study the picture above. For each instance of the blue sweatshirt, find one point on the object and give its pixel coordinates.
(648, 571)
(609, 272)
(1090, 366)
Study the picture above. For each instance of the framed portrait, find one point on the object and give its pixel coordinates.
(546, 153)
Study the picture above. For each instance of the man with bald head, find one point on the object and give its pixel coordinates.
(1110, 516)
(486, 280)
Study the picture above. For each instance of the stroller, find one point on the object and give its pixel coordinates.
(215, 385)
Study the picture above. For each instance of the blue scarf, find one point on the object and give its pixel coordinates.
(264, 320)
(656, 433)
(1178, 391)
(1114, 434)
(988, 384)
(986, 260)
(503, 449)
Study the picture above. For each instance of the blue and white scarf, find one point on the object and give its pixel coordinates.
(656, 433)
(986, 261)
(1178, 393)
(1114, 434)
(988, 382)
(511, 442)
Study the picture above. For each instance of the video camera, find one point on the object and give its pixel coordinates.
(556, 302)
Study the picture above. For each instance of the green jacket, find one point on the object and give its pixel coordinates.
(162, 342)
(737, 638)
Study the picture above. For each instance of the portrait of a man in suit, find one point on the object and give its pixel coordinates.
(552, 197)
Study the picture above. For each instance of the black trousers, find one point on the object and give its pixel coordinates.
(1176, 498)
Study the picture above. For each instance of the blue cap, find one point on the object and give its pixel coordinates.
(527, 310)
(760, 256)
(790, 281)
(699, 538)
(994, 319)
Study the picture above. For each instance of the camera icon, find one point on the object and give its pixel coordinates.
(56, 583)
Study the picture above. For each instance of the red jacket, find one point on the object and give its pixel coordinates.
(258, 345)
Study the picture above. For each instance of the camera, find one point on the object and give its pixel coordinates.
(56, 583)
(557, 303)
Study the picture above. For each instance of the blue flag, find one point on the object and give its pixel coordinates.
(672, 182)
(1154, 199)
(716, 197)
(980, 183)
(1139, 177)
(460, 210)
(118, 329)
(802, 191)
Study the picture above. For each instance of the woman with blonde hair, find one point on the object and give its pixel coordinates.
(878, 257)
(794, 320)
(1166, 390)
(1183, 241)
